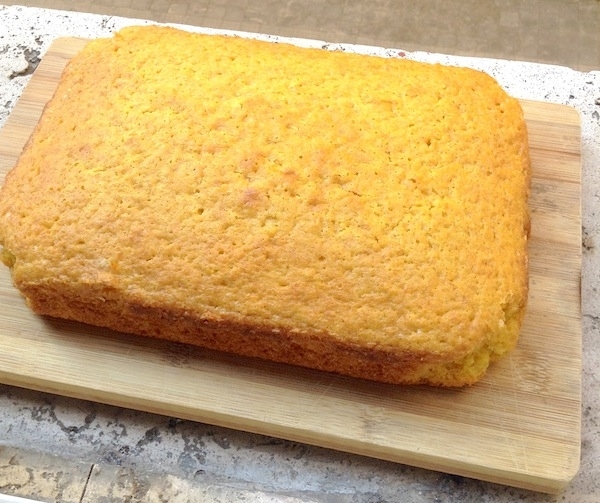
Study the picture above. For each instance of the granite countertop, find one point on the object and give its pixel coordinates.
(54, 448)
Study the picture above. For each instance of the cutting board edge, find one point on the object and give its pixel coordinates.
(538, 482)
(573, 115)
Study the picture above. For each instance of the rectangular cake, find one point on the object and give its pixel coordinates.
(348, 213)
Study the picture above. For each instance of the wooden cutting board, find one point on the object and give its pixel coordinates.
(520, 426)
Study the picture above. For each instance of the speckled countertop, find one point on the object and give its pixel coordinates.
(54, 448)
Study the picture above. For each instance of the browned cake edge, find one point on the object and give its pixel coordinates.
(98, 305)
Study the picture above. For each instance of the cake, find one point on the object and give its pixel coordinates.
(348, 213)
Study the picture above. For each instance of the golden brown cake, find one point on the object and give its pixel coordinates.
(349, 213)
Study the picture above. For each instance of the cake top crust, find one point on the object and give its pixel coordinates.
(380, 200)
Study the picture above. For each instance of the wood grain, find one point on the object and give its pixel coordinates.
(520, 426)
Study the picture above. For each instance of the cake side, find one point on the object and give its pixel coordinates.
(316, 208)
(95, 305)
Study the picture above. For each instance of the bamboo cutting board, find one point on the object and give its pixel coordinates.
(520, 426)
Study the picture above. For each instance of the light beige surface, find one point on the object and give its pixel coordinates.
(27, 474)
(563, 32)
(520, 426)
